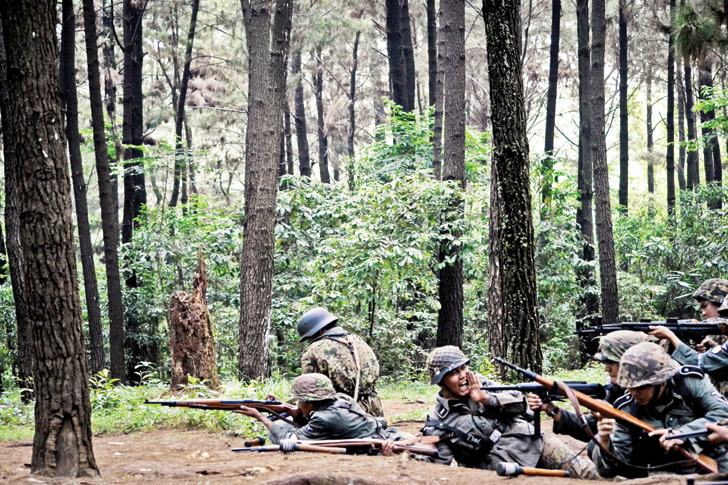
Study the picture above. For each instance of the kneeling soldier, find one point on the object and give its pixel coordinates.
(480, 430)
(669, 397)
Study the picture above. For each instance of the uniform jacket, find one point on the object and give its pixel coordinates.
(480, 435)
(688, 402)
(569, 424)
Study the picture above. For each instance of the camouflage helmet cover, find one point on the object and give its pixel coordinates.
(645, 364)
(314, 320)
(714, 290)
(613, 345)
(312, 387)
(723, 310)
(443, 360)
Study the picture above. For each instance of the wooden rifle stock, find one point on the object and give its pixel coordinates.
(276, 408)
(605, 409)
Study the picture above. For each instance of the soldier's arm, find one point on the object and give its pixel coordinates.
(685, 355)
(310, 363)
(621, 447)
(707, 403)
(510, 403)
(714, 360)
(444, 450)
(318, 428)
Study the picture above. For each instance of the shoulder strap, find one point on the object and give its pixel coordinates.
(349, 344)
(473, 440)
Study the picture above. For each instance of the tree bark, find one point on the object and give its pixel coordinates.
(304, 158)
(268, 53)
(585, 210)
(408, 55)
(109, 213)
(680, 126)
(512, 305)
(16, 262)
(107, 18)
(650, 132)
(452, 32)
(180, 156)
(288, 137)
(439, 105)
(707, 132)
(692, 162)
(551, 95)
(352, 113)
(670, 121)
(323, 139)
(605, 235)
(397, 71)
(69, 103)
(432, 51)
(623, 110)
(62, 442)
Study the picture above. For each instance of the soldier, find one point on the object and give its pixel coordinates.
(611, 348)
(329, 415)
(342, 356)
(479, 430)
(671, 398)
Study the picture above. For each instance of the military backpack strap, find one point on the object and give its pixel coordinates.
(349, 344)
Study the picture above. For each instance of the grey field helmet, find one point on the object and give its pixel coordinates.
(443, 360)
(314, 320)
(645, 364)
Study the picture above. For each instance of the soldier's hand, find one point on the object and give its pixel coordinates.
(665, 441)
(272, 397)
(706, 344)
(534, 402)
(388, 448)
(663, 332)
(476, 393)
(605, 430)
(251, 412)
(719, 433)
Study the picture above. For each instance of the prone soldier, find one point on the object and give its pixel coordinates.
(342, 356)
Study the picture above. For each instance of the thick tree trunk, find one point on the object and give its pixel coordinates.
(323, 138)
(397, 71)
(69, 102)
(680, 126)
(585, 210)
(180, 156)
(268, 54)
(16, 263)
(692, 161)
(304, 158)
(408, 55)
(623, 110)
(670, 121)
(62, 441)
(605, 235)
(512, 305)
(551, 96)
(452, 31)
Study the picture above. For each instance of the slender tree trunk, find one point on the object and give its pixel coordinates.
(304, 159)
(707, 133)
(268, 57)
(585, 210)
(692, 162)
(551, 96)
(289, 139)
(450, 317)
(439, 104)
(623, 110)
(62, 442)
(397, 71)
(408, 55)
(512, 305)
(670, 121)
(16, 262)
(179, 153)
(650, 131)
(605, 235)
(352, 114)
(432, 51)
(109, 218)
(323, 139)
(706, 76)
(110, 99)
(69, 102)
(680, 126)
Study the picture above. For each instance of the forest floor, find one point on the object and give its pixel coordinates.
(176, 456)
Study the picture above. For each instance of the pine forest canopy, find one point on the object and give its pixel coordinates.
(367, 221)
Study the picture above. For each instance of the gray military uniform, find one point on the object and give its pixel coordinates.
(340, 418)
(688, 402)
(714, 362)
(569, 423)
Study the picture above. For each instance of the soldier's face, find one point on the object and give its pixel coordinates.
(644, 394)
(455, 383)
(612, 370)
(708, 309)
(306, 408)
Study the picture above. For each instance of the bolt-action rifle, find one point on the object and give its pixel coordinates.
(686, 330)
(694, 434)
(597, 391)
(605, 409)
(280, 410)
(423, 445)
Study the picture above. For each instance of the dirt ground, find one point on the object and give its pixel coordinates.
(200, 457)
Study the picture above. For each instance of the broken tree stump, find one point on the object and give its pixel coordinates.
(191, 339)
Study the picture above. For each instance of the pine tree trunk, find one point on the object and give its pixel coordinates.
(408, 55)
(323, 139)
(351, 132)
(680, 126)
(109, 214)
(16, 262)
(304, 158)
(397, 71)
(605, 235)
(551, 96)
(452, 31)
(670, 121)
(107, 18)
(650, 131)
(432, 51)
(585, 210)
(62, 442)
(623, 110)
(289, 138)
(439, 104)
(692, 162)
(706, 132)
(512, 305)
(268, 56)
(69, 103)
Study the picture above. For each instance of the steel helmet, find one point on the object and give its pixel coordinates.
(314, 320)
(613, 345)
(723, 310)
(443, 360)
(312, 387)
(645, 364)
(714, 290)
